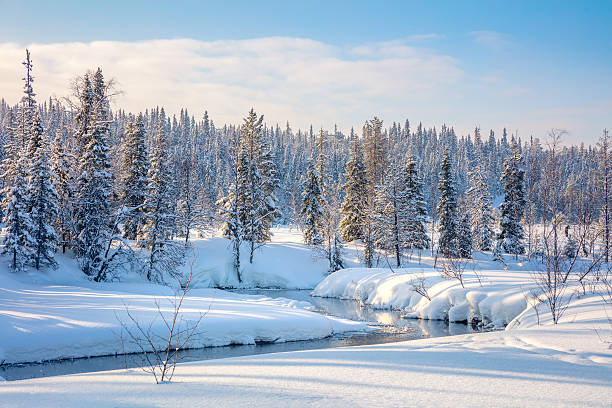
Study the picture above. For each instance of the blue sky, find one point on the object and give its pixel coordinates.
(529, 66)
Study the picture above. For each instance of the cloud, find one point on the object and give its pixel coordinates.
(300, 80)
(492, 39)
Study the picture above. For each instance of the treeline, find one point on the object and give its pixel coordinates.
(79, 177)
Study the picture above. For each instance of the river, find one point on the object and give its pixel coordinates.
(390, 327)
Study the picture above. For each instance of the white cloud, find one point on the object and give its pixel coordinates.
(299, 80)
(492, 39)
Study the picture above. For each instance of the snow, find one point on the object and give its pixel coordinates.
(492, 294)
(284, 263)
(56, 314)
(556, 366)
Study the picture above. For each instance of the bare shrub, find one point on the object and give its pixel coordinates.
(454, 268)
(161, 360)
(419, 285)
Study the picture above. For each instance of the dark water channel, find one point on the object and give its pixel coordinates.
(390, 327)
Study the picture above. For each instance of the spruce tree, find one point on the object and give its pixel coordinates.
(134, 167)
(156, 234)
(355, 196)
(464, 237)
(513, 206)
(415, 230)
(43, 198)
(18, 241)
(447, 209)
(93, 212)
(312, 209)
(63, 180)
(391, 214)
(480, 210)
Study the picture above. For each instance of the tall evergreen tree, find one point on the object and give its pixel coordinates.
(355, 196)
(480, 210)
(513, 206)
(464, 237)
(391, 214)
(93, 211)
(312, 206)
(63, 180)
(156, 233)
(134, 167)
(447, 209)
(43, 198)
(415, 231)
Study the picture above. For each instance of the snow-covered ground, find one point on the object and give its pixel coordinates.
(285, 262)
(52, 314)
(58, 313)
(552, 366)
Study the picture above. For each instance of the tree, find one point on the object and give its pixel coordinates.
(259, 209)
(464, 237)
(134, 167)
(604, 158)
(156, 233)
(93, 212)
(312, 206)
(513, 206)
(415, 232)
(447, 210)
(42, 198)
(355, 198)
(63, 180)
(391, 214)
(480, 210)
(18, 241)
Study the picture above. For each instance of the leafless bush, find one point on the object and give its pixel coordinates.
(418, 285)
(532, 298)
(454, 268)
(161, 360)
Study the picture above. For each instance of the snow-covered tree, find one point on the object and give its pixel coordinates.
(134, 167)
(391, 214)
(464, 237)
(415, 231)
(312, 208)
(63, 180)
(156, 234)
(513, 207)
(42, 198)
(447, 209)
(480, 210)
(93, 214)
(18, 241)
(355, 196)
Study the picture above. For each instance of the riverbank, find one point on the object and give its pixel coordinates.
(556, 366)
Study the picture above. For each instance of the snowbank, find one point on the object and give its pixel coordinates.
(492, 294)
(48, 321)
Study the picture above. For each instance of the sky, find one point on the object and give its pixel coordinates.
(524, 65)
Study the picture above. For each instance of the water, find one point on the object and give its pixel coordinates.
(390, 327)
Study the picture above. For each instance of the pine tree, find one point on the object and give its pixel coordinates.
(312, 209)
(480, 210)
(513, 207)
(42, 198)
(134, 180)
(18, 241)
(464, 237)
(355, 198)
(447, 210)
(391, 214)
(156, 233)
(63, 180)
(231, 205)
(259, 208)
(93, 212)
(415, 231)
